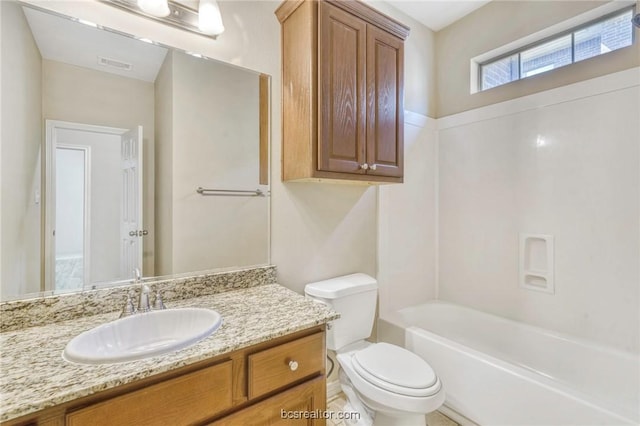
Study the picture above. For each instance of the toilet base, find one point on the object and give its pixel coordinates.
(354, 404)
(370, 417)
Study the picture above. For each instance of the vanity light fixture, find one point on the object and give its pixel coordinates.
(157, 8)
(207, 21)
(210, 19)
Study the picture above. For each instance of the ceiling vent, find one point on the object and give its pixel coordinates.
(113, 63)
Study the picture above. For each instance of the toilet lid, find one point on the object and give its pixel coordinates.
(395, 369)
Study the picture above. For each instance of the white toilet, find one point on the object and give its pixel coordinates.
(387, 384)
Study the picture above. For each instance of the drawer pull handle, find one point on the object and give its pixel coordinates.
(293, 365)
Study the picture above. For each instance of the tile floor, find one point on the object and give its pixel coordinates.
(337, 403)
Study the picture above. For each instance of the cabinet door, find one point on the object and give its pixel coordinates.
(385, 97)
(187, 399)
(288, 408)
(341, 91)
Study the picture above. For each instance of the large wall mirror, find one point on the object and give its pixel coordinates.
(121, 155)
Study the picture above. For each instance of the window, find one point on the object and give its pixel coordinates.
(606, 34)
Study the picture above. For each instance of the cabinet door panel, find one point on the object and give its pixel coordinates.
(269, 370)
(287, 408)
(385, 92)
(183, 400)
(342, 94)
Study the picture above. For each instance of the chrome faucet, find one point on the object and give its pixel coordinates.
(144, 305)
(144, 302)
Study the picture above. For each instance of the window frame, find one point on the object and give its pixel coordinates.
(518, 51)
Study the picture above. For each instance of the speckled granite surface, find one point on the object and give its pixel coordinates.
(33, 375)
(47, 310)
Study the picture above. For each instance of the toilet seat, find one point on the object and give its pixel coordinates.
(396, 370)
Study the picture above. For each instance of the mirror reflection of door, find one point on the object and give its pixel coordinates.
(93, 179)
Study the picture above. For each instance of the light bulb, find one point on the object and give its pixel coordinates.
(159, 8)
(209, 17)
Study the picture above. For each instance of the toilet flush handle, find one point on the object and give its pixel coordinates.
(293, 365)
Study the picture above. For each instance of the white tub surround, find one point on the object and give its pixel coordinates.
(563, 163)
(496, 371)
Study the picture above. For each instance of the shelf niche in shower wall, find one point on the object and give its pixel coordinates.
(536, 262)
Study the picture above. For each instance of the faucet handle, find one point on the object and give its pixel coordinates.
(143, 303)
(158, 304)
(129, 308)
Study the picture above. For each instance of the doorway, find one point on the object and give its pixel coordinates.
(93, 207)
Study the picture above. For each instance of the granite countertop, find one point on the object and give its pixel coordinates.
(34, 375)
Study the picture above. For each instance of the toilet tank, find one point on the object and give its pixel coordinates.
(354, 298)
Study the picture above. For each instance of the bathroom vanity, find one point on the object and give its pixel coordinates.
(268, 356)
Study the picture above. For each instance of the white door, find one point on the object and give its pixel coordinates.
(102, 218)
(131, 208)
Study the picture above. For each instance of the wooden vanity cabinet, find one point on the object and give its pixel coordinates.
(343, 92)
(188, 399)
(251, 386)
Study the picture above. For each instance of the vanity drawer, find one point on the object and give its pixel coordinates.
(281, 365)
(187, 399)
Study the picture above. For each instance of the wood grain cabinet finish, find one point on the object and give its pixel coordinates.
(286, 408)
(250, 386)
(187, 399)
(343, 82)
(277, 367)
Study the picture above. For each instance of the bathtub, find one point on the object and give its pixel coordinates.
(501, 372)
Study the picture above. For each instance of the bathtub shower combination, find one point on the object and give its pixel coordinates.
(496, 371)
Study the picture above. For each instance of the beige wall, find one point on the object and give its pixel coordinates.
(213, 141)
(164, 168)
(81, 95)
(21, 138)
(407, 223)
(419, 73)
(318, 230)
(216, 130)
(497, 24)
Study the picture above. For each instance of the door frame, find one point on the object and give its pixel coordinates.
(51, 143)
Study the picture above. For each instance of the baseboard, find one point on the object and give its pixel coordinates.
(333, 389)
(456, 417)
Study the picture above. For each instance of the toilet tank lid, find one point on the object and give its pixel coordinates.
(345, 285)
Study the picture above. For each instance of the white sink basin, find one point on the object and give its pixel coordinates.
(142, 336)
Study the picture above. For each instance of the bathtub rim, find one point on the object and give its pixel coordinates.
(528, 375)
(395, 319)
(619, 410)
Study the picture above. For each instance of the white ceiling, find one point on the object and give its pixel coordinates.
(70, 42)
(66, 41)
(437, 14)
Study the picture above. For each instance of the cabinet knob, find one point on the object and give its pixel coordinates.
(133, 233)
(293, 365)
(364, 166)
(373, 167)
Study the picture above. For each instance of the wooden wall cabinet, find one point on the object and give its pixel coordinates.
(251, 386)
(342, 83)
